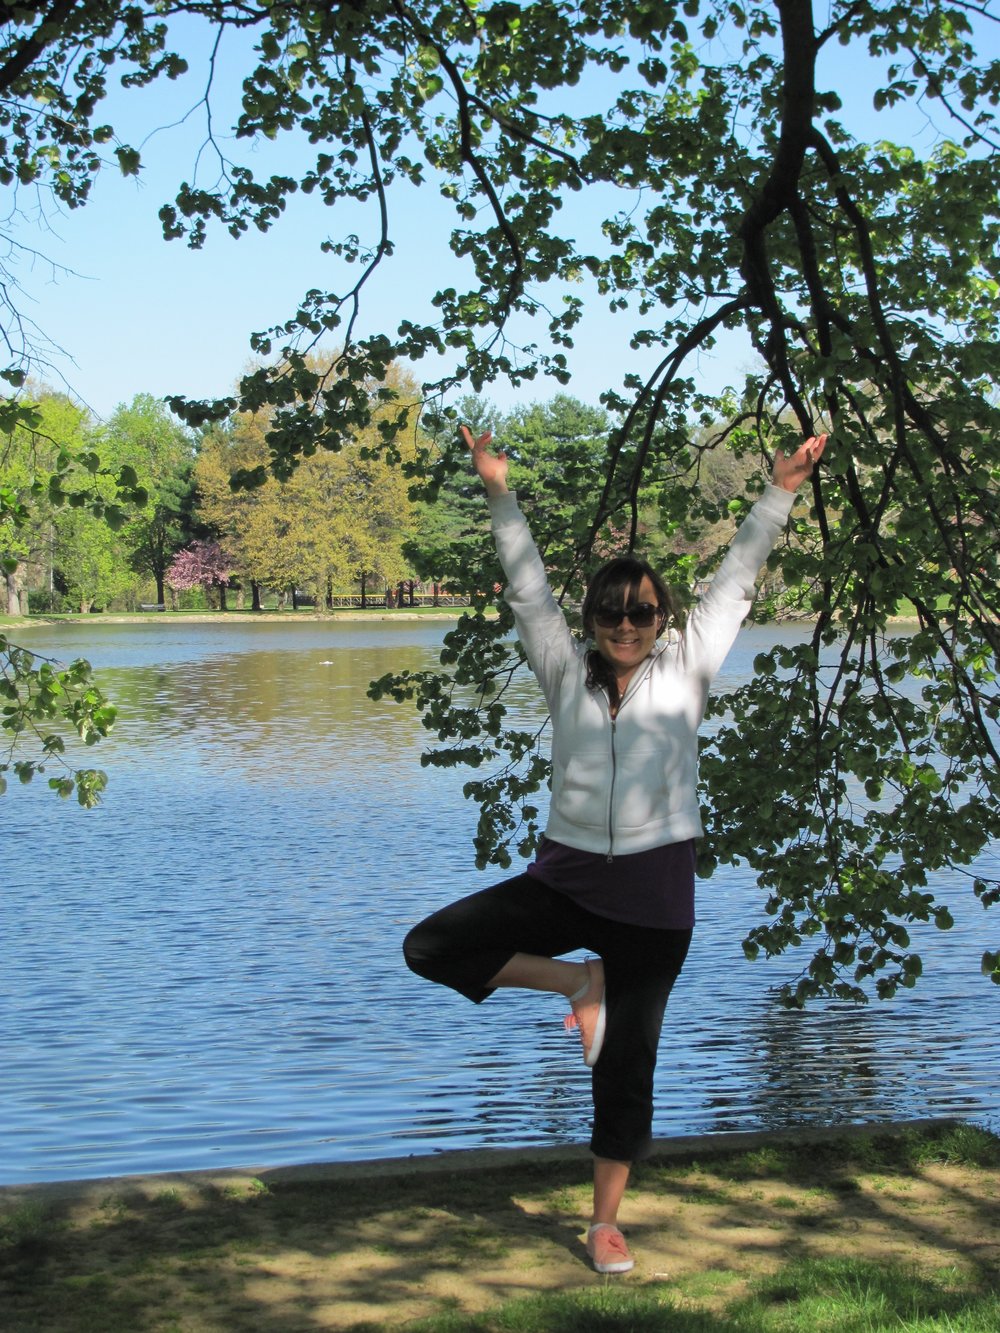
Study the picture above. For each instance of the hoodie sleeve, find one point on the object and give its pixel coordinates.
(714, 623)
(541, 625)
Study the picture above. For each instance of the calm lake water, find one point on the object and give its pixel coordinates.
(205, 971)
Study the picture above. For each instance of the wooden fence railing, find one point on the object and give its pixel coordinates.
(373, 603)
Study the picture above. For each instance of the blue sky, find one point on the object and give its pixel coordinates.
(131, 313)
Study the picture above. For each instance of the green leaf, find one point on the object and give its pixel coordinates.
(128, 161)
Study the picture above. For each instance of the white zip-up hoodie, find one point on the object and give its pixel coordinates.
(630, 783)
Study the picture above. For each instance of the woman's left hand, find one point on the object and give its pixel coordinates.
(791, 470)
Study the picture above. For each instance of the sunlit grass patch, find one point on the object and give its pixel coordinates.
(767, 1160)
(689, 1182)
(883, 1154)
(958, 1145)
(785, 1201)
(246, 1189)
(816, 1296)
(889, 1184)
(571, 1201)
(706, 1192)
(818, 1194)
(860, 1296)
(113, 1208)
(592, 1310)
(707, 1284)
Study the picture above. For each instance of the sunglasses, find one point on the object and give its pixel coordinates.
(642, 615)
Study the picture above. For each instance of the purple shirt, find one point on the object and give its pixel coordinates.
(653, 888)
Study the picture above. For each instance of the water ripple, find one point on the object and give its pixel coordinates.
(205, 971)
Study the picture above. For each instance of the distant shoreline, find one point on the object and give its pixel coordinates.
(227, 617)
(290, 617)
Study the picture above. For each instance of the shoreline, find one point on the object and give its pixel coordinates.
(465, 1161)
(225, 617)
(729, 1231)
(297, 617)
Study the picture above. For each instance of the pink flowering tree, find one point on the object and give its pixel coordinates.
(202, 564)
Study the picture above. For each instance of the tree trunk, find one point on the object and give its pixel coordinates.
(254, 595)
(222, 597)
(13, 593)
(364, 591)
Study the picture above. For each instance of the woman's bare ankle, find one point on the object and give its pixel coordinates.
(528, 972)
(580, 982)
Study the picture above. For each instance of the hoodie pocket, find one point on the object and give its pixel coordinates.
(582, 790)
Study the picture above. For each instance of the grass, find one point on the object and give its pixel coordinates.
(846, 1235)
(858, 1296)
(829, 1296)
(23, 1226)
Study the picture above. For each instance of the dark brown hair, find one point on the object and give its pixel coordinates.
(615, 585)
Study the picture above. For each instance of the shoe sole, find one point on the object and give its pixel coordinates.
(593, 1055)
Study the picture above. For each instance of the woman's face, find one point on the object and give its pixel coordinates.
(625, 646)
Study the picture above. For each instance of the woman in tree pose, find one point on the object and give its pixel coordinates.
(614, 874)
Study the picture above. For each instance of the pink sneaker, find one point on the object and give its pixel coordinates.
(589, 1014)
(606, 1247)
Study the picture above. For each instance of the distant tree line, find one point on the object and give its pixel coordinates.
(343, 521)
(339, 523)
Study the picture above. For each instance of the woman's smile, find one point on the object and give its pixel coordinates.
(625, 646)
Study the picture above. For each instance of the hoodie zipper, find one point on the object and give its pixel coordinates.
(614, 760)
(611, 796)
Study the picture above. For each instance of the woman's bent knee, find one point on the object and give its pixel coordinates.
(434, 956)
(418, 953)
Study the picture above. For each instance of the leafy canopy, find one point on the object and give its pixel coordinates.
(865, 274)
(52, 479)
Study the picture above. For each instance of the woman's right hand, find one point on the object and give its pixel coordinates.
(492, 468)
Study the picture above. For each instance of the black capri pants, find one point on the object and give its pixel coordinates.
(466, 944)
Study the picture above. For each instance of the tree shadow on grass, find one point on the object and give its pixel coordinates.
(929, 1193)
(847, 1295)
(365, 1251)
(295, 1255)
